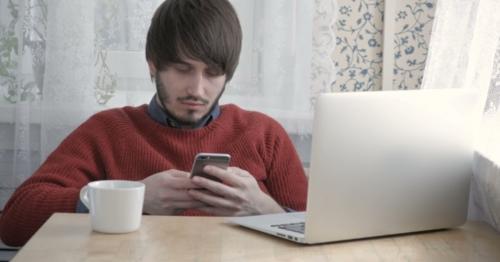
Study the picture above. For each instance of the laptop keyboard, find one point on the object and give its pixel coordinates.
(294, 227)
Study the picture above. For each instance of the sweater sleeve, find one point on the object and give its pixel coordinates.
(286, 181)
(55, 186)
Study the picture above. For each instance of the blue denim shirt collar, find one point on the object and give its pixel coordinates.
(161, 116)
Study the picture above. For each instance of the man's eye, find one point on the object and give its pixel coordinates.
(214, 72)
(182, 68)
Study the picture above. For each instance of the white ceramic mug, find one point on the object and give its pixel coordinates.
(115, 205)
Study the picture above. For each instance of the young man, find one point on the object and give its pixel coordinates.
(192, 49)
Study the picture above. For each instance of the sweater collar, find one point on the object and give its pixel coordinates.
(163, 117)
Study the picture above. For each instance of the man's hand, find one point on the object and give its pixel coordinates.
(237, 195)
(167, 193)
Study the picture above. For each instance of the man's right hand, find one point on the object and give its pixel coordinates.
(167, 193)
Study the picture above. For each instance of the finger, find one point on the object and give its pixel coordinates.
(177, 195)
(188, 204)
(180, 180)
(178, 173)
(213, 200)
(232, 175)
(216, 187)
(206, 191)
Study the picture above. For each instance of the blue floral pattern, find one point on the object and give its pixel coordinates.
(411, 42)
(358, 55)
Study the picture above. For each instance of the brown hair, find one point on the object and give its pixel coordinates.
(205, 30)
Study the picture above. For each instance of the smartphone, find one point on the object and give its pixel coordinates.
(213, 159)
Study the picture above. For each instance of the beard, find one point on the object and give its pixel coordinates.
(190, 119)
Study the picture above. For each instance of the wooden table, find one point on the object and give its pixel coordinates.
(68, 237)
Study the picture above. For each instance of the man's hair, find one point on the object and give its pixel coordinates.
(204, 30)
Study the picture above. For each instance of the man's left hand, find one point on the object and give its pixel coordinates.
(237, 195)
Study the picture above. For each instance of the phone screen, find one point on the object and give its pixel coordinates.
(213, 159)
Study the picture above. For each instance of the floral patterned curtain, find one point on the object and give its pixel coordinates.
(358, 55)
(455, 50)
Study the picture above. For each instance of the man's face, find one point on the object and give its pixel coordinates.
(188, 90)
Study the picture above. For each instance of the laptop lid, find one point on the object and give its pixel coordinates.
(389, 162)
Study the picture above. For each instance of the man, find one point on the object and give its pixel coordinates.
(192, 49)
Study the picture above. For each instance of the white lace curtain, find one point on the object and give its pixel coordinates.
(63, 60)
(465, 53)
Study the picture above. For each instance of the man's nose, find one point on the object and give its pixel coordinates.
(197, 84)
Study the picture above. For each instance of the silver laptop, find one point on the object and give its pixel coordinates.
(383, 163)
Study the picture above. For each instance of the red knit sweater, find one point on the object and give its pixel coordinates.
(127, 144)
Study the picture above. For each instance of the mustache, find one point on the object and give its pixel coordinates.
(193, 99)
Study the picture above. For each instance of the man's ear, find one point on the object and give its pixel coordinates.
(152, 69)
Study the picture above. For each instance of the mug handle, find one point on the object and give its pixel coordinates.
(84, 197)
